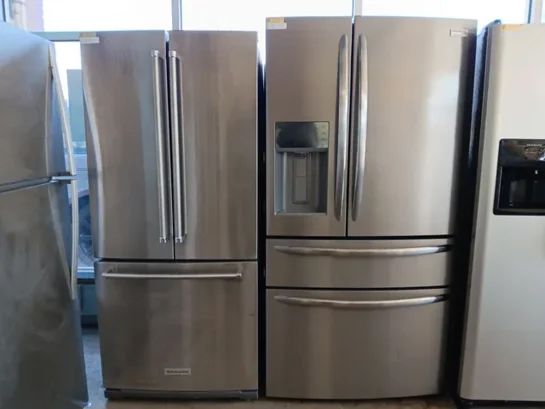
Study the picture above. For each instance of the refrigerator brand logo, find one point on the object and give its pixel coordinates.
(459, 33)
(177, 371)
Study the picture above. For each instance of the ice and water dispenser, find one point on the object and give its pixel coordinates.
(301, 164)
(520, 181)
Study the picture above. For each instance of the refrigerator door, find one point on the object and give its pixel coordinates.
(355, 344)
(124, 84)
(504, 337)
(308, 94)
(27, 101)
(178, 327)
(213, 102)
(409, 96)
(41, 352)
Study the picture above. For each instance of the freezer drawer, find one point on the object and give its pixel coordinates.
(355, 344)
(358, 263)
(178, 327)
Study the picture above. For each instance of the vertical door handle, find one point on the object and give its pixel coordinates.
(159, 112)
(71, 177)
(342, 125)
(176, 123)
(360, 138)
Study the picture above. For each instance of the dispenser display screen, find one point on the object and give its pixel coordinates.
(302, 136)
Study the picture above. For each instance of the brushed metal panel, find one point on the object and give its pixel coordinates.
(322, 352)
(41, 352)
(417, 76)
(31, 143)
(301, 72)
(289, 269)
(176, 334)
(504, 337)
(122, 153)
(219, 125)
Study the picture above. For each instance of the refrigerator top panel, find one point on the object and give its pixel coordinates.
(213, 105)
(308, 98)
(503, 354)
(125, 91)
(31, 145)
(410, 99)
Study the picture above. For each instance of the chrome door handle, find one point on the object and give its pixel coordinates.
(403, 302)
(360, 138)
(159, 110)
(215, 276)
(176, 130)
(337, 252)
(71, 176)
(342, 125)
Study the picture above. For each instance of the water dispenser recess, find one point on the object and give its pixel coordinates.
(301, 167)
(520, 180)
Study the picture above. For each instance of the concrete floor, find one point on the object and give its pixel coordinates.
(97, 400)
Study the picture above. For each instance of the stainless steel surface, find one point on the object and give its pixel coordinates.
(358, 263)
(343, 104)
(191, 334)
(178, 165)
(159, 100)
(343, 252)
(28, 108)
(417, 81)
(219, 82)
(504, 336)
(118, 85)
(71, 177)
(359, 135)
(303, 81)
(40, 334)
(403, 302)
(314, 351)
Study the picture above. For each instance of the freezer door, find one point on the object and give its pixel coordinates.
(124, 84)
(308, 93)
(178, 327)
(355, 344)
(41, 352)
(409, 118)
(213, 102)
(30, 140)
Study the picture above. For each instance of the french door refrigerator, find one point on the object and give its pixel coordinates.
(365, 119)
(172, 136)
(502, 356)
(41, 353)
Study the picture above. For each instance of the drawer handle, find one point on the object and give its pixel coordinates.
(225, 276)
(335, 252)
(404, 302)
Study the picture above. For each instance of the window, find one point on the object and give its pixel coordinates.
(91, 15)
(484, 11)
(250, 15)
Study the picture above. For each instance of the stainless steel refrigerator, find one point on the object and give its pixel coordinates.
(172, 137)
(365, 119)
(41, 356)
(502, 356)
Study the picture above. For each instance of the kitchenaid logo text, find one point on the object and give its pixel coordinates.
(177, 371)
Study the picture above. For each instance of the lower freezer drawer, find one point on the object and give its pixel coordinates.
(178, 327)
(355, 344)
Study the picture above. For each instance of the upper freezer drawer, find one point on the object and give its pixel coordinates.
(358, 263)
(178, 326)
(308, 100)
(355, 344)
